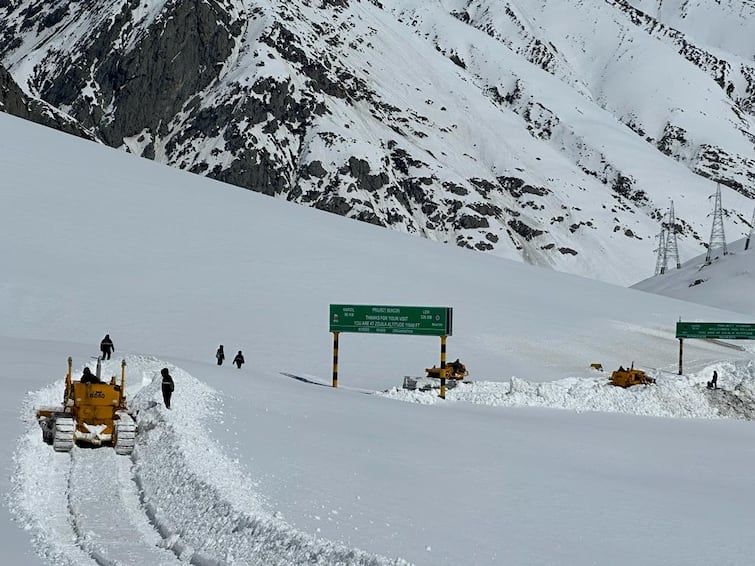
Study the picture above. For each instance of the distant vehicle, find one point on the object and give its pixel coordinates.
(454, 370)
(629, 377)
(92, 413)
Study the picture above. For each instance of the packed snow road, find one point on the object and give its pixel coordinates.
(177, 499)
(105, 511)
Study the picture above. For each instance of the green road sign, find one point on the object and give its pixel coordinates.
(383, 319)
(722, 330)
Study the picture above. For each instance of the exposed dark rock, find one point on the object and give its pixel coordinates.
(527, 232)
(455, 189)
(486, 209)
(15, 102)
(469, 221)
(673, 139)
(313, 169)
(360, 170)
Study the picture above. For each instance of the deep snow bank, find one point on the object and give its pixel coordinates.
(199, 502)
(672, 395)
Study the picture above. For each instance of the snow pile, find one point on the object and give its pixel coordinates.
(671, 395)
(214, 517)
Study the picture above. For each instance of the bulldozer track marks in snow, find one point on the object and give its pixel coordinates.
(104, 505)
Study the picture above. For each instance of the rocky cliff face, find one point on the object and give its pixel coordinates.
(485, 123)
(15, 101)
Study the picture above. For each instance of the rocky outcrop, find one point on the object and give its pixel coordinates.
(14, 101)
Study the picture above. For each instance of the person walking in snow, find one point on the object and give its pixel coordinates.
(106, 347)
(220, 355)
(168, 386)
(239, 359)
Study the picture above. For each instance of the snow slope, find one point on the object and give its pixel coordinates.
(724, 283)
(252, 466)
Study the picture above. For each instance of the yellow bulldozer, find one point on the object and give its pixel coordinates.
(454, 370)
(628, 377)
(93, 412)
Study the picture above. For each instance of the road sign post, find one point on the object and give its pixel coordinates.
(392, 319)
(712, 331)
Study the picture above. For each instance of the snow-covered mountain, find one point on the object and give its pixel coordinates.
(536, 461)
(550, 132)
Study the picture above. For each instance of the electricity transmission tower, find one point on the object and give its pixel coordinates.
(752, 225)
(672, 249)
(661, 259)
(717, 236)
(667, 243)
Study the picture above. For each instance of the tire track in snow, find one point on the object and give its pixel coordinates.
(106, 512)
(39, 495)
(178, 499)
(81, 508)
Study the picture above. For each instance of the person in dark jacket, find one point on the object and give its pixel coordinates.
(239, 359)
(168, 386)
(89, 377)
(220, 355)
(106, 347)
(713, 383)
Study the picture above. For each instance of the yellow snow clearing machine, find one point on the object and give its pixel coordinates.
(93, 412)
(628, 377)
(454, 370)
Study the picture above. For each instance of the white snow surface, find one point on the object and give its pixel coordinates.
(724, 283)
(536, 460)
(571, 99)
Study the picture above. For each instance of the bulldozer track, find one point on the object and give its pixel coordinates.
(106, 514)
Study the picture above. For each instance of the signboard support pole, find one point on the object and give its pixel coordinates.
(443, 367)
(335, 359)
(681, 349)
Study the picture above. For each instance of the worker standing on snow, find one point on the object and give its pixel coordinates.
(239, 359)
(168, 386)
(220, 355)
(713, 383)
(106, 347)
